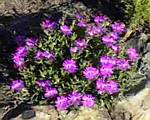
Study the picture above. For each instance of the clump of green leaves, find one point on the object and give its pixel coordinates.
(138, 11)
(76, 59)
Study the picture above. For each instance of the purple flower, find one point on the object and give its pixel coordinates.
(31, 42)
(114, 35)
(79, 16)
(108, 60)
(73, 50)
(44, 83)
(50, 92)
(39, 55)
(101, 86)
(49, 25)
(112, 87)
(123, 64)
(22, 51)
(45, 55)
(109, 86)
(70, 66)
(66, 30)
(108, 40)
(81, 44)
(106, 71)
(88, 100)
(75, 98)
(90, 31)
(82, 24)
(91, 73)
(49, 55)
(62, 103)
(118, 27)
(132, 54)
(95, 30)
(116, 48)
(19, 61)
(17, 85)
(100, 19)
(19, 57)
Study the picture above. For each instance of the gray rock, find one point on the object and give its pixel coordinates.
(119, 113)
(42, 113)
(86, 114)
(138, 41)
(28, 114)
(17, 7)
(138, 106)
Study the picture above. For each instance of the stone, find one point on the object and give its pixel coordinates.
(28, 114)
(42, 116)
(49, 111)
(119, 113)
(2, 110)
(42, 113)
(84, 113)
(138, 105)
(19, 7)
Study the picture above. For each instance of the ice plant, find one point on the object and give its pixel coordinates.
(116, 48)
(74, 50)
(70, 66)
(112, 87)
(108, 60)
(66, 30)
(118, 27)
(84, 58)
(79, 17)
(133, 54)
(106, 71)
(114, 35)
(95, 30)
(100, 19)
(31, 42)
(49, 55)
(49, 25)
(123, 64)
(17, 85)
(43, 83)
(108, 40)
(50, 92)
(101, 86)
(90, 31)
(82, 24)
(91, 73)
(107, 87)
(18, 61)
(22, 51)
(39, 55)
(81, 44)
(19, 57)
(62, 103)
(75, 98)
(88, 100)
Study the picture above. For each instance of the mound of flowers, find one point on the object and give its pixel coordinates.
(75, 62)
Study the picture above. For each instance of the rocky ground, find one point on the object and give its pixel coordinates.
(17, 16)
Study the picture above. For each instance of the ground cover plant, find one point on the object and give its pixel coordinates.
(77, 61)
(137, 12)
